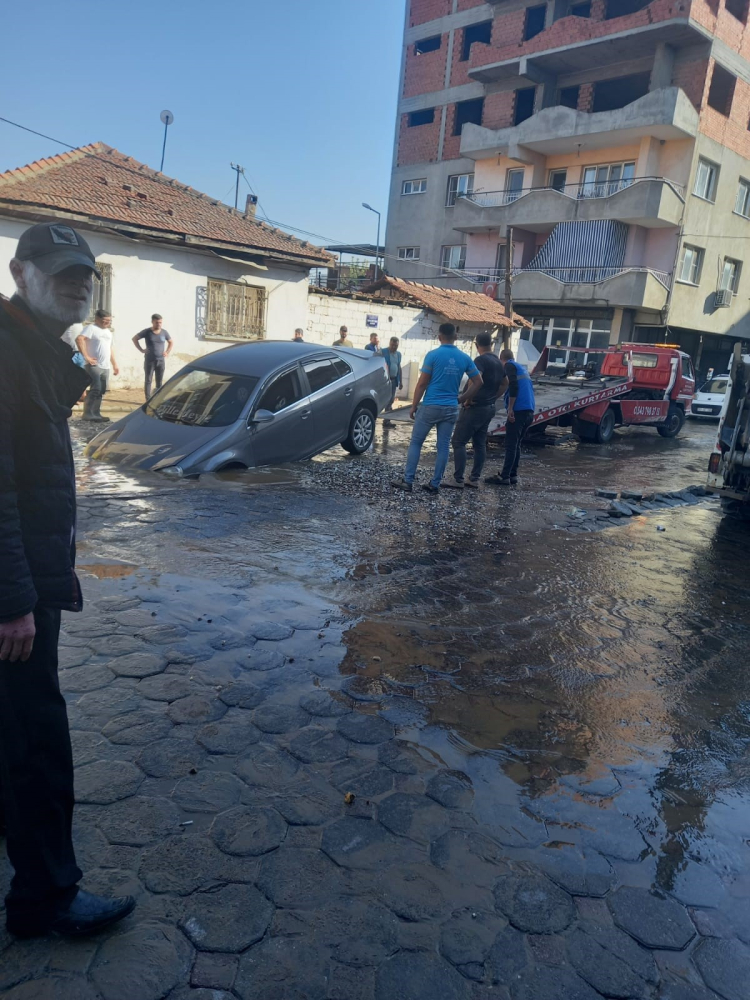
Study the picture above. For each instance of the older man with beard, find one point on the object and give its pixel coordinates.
(53, 271)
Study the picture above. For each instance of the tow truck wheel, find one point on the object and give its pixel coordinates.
(673, 424)
(606, 428)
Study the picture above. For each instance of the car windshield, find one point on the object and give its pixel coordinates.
(202, 399)
(717, 385)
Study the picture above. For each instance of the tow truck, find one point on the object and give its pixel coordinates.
(729, 464)
(600, 389)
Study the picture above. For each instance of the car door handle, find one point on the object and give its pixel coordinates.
(305, 414)
(349, 391)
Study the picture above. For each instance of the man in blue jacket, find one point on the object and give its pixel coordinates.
(437, 390)
(520, 404)
(53, 270)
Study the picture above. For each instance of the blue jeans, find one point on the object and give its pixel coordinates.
(444, 419)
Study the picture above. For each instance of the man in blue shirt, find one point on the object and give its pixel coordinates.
(520, 404)
(437, 389)
(374, 344)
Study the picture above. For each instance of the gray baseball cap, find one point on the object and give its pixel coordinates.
(53, 247)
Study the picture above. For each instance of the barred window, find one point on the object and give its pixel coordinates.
(235, 311)
(102, 298)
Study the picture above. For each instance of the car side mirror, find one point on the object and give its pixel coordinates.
(262, 417)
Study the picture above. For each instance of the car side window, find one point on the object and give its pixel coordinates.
(342, 368)
(321, 373)
(282, 392)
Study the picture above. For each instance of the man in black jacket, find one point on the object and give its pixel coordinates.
(53, 270)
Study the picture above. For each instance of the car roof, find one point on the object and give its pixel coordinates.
(262, 356)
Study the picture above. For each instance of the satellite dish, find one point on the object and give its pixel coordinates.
(167, 117)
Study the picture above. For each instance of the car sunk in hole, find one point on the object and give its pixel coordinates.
(248, 405)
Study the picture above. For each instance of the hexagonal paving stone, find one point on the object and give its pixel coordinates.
(611, 962)
(471, 856)
(725, 967)
(283, 969)
(361, 843)
(89, 677)
(88, 747)
(310, 803)
(184, 863)
(508, 956)
(109, 701)
(137, 728)
(419, 976)
(207, 792)
(266, 767)
(298, 877)
(414, 816)
(151, 959)
(196, 708)
(319, 746)
(22, 959)
(468, 936)
(134, 617)
(651, 920)
(581, 873)
(165, 687)
(162, 635)
(242, 694)
(363, 778)
(72, 656)
(533, 903)
(552, 984)
(106, 781)
(365, 728)
(138, 664)
(262, 660)
(413, 895)
(228, 918)
(400, 757)
(53, 987)
(323, 704)
(231, 735)
(359, 932)
(684, 991)
(271, 718)
(118, 645)
(270, 631)
(245, 831)
(139, 820)
(171, 758)
(451, 789)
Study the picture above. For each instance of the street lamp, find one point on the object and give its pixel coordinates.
(377, 244)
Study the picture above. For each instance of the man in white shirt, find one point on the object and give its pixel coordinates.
(95, 344)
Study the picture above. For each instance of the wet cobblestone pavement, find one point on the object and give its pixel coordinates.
(346, 746)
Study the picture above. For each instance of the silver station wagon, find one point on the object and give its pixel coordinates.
(252, 404)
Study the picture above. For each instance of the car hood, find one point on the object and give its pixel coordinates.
(140, 441)
(712, 398)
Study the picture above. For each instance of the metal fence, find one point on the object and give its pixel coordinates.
(579, 191)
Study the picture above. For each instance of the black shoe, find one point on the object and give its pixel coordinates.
(87, 914)
(429, 488)
(401, 484)
(497, 480)
(389, 423)
(452, 484)
(513, 482)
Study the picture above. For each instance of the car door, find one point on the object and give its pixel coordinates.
(331, 393)
(288, 435)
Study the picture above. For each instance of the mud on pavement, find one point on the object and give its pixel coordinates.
(345, 746)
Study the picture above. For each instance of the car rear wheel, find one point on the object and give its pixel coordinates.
(361, 431)
(673, 424)
(606, 428)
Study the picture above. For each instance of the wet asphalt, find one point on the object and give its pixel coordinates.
(544, 734)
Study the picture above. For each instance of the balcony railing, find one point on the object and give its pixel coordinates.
(565, 275)
(580, 190)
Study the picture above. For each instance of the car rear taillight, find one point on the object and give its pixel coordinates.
(713, 463)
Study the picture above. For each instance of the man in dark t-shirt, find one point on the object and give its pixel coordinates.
(158, 346)
(475, 416)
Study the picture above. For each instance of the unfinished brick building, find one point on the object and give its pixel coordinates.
(613, 136)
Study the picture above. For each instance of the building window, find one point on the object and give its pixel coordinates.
(609, 95)
(501, 257)
(524, 104)
(408, 253)
(535, 18)
(609, 178)
(235, 311)
(458, 185)
(558, 179)
(730, 275)
(475, 33)
(706, 179)
(559, 334)
(738, 9)
(426, 45)
(742, 201)
(568, 97)
(691, 262)
(580, 9)
(453, 258)
(102, 291)
(468, 113)
(721, 91)
(620, 8)
(418, 186)
(424, 117)
(513, 184)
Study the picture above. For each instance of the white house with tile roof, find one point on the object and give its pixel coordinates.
(217, 275)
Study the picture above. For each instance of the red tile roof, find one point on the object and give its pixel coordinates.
(455, 304)
(105, 186)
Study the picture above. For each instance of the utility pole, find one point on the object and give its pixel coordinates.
(239, 170)
(508, 284)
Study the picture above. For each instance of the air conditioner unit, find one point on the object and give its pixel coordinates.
(722, 298)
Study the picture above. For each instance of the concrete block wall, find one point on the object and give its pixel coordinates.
(419, 144)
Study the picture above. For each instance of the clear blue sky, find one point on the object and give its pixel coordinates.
(302, 93)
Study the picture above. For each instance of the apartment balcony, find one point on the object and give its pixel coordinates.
(651, 202)
(662, 114)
